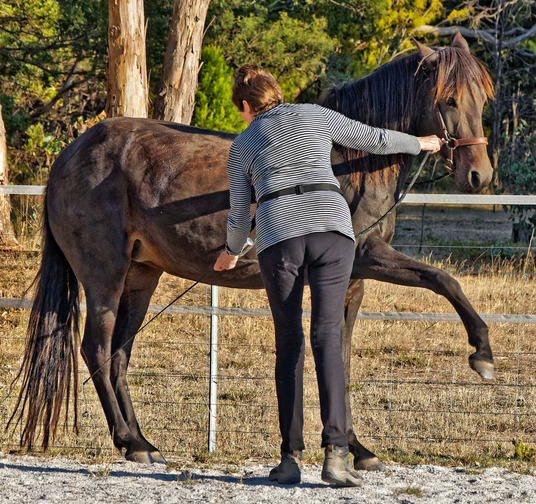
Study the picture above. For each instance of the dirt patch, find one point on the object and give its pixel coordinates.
(30, 479)
(453, 223)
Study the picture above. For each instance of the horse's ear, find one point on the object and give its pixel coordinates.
(427, 53)
(460, 42)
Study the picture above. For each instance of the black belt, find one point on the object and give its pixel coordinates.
(299, 189)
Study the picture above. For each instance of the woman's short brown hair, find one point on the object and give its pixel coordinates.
(258, 87)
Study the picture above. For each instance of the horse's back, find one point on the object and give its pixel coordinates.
(135, 146)
(153, 189)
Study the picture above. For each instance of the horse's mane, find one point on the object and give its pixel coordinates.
(389, 98)
(458, 72)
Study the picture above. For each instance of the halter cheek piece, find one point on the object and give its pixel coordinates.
(453, 143)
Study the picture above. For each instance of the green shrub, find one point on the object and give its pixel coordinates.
(214, 108)
(523, 451)
(517, 176)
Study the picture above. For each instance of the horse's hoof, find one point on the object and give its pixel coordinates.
(368, 464)
(158, 458)
(484, 368)
(145, 457)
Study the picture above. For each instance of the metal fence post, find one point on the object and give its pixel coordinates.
(213, 391)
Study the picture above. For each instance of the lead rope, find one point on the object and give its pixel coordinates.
(433, 180)
(394, 207)
(247, 247)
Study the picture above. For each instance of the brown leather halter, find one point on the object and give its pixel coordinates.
(453, 143)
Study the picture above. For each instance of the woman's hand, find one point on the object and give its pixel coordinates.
(225, 262)
(431, 143)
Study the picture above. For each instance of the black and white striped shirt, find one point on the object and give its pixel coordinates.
(291, 145)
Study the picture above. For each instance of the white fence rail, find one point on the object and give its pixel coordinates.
(216, 311)
(22, 190)
(410, 199)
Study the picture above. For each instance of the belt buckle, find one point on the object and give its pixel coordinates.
(299, 189)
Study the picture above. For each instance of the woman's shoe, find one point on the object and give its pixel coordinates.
(337, 468)
(288, 472)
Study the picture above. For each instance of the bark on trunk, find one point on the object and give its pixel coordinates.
(176, 97)
(7, 235)
(127, 70)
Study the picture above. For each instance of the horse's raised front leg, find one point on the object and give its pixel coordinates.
(363, 459)
(140, 284)
(377, 260)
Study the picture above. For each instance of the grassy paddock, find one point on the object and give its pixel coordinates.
(414, 397)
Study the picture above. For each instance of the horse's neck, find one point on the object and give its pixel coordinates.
(375, 194)
(388, 98)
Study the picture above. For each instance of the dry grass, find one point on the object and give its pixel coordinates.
(414, 397)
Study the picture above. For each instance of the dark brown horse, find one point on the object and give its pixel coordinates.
(132, 198)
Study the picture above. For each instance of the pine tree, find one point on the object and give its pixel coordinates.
(214, 108)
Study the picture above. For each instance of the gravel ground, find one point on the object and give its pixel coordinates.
(35, 480)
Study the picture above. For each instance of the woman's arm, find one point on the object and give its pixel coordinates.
(356, 135)
(239, 218)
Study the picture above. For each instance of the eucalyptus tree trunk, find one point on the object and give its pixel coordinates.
(7, 235)
(176, 96)
(127, 71)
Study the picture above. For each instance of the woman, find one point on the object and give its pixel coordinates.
(303, 227)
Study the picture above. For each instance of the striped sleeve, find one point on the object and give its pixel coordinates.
(239, 219)
(356, 135)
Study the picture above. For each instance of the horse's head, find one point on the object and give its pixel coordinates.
(459, 85)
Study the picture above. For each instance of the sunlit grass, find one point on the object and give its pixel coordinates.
(414, 398)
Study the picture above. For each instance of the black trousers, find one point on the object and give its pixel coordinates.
(327, 258)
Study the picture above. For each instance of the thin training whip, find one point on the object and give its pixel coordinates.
(249, 244)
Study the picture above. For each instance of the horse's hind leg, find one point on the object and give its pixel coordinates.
(140, 284)
(102, 308)
(363, 459)
(117, 296)
(115, 311)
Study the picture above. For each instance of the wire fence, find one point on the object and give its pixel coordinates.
(411, 387)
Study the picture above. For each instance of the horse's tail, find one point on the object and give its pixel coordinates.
(50, 361)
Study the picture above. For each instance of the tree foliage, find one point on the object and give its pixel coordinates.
(214, 108)
(52, 70)
(295, 51)
(29, 41)
(53, 60)
(392, 33)
(45, 42)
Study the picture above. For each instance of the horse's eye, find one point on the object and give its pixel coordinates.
(451, 102)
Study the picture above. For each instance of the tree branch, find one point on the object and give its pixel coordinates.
(67, 85)
(448, 31)
(487, 35)
(516, 40)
